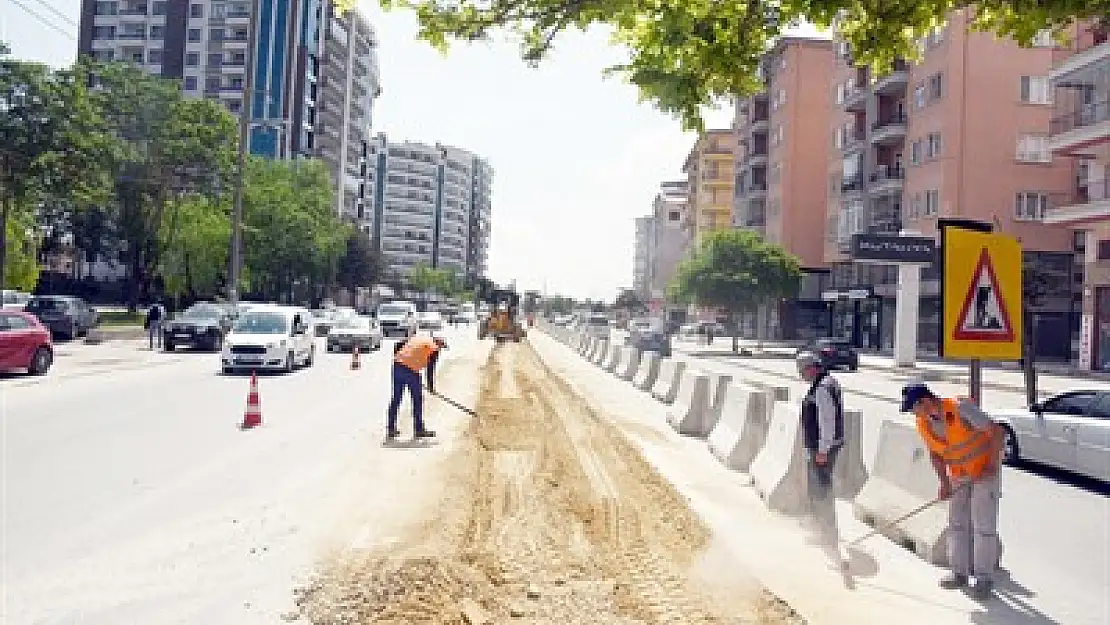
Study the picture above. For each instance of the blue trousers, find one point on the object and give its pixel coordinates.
(405, 378)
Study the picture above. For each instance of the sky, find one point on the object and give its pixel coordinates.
(576, 157)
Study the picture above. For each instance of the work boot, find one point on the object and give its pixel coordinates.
(982, 589)
(953, 581)
(424, 434)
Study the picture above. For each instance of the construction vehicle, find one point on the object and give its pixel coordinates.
(503, 322)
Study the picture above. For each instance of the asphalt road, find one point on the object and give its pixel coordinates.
(130, 495)
(1054, 526)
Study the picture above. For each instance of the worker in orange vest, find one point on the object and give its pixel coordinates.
(965, 447)
(411, 356)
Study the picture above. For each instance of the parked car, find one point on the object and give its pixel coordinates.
(24, 343)
(323, 320)
(1069, 431)
(835, 353)
(597, 326)
(650, 337)
(361, 331)
(14, 299)
(66, 316)
(276, 338)
(430, 320)
(201, 326)
(397, 318)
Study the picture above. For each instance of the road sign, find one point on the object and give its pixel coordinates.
(982, 296)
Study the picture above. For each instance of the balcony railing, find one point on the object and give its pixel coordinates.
(851, 183)
(1088, 191)
(885, 172)
(1087, 115)
(898, 119)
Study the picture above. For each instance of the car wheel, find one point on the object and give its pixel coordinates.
(169, 346)
(853, 366)
(217, 343)
(1011, 452)
(40, 361)
(228, 371)
(290, 362)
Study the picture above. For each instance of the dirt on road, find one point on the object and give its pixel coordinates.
(548, 516)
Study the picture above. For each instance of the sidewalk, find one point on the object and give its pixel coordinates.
(886, 584)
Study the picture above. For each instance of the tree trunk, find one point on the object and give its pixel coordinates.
(1029, 351)
(5, 208)
(734, 328)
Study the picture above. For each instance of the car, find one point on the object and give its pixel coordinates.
(597, 326)
(14, 299)
(834, 353)
(651, 338)
(25, 343)
(1068, 431)
(66, 316)
(363, 332)
(398, 317)
(430, 320)
(200, 326)
(270, 337)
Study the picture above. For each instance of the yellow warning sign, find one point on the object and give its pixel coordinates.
(981, 287)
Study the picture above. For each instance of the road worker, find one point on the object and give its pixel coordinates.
(411, 356)
(965, 447)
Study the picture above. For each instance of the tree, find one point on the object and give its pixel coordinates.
(629, 300)
(687, 54)
(359, 265)
(194, 250)
(737, 271)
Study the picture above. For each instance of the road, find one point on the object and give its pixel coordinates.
(1054, 526)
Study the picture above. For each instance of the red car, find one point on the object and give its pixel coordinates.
(24, 343)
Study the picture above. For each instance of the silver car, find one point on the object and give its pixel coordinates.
(349, 332)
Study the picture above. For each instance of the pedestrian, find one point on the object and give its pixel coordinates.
(822, 414)
(153, 323)
(412, 355)
(965, 447)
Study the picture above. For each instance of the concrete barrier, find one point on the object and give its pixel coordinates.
(630, 362)
(601, 353)
(613, 358)
(690, 410)
(742, 429)
(718, 385)
(850, 473)
(647, 372)
(779, 469)
(592, 351)
(586, 345)
(666, 386)
(903, 479)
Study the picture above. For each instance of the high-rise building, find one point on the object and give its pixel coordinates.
(431, 206)
(709, 173)
(671, 238)
(1081, 130)
(961, 134)
(643, 256)
(781, 166)
(315, 73)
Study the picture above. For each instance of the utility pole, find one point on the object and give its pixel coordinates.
(246, 112)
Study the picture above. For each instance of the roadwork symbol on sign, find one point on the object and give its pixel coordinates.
(983, 316)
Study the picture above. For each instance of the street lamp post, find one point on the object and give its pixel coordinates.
(245, 114)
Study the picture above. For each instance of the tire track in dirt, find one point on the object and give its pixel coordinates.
(549, 516)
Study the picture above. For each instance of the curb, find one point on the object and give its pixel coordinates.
(97, 336)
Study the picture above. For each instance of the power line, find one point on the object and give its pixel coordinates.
(55, 11)
(43, 20)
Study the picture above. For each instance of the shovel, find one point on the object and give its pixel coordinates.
(918, 510)
(456, 404)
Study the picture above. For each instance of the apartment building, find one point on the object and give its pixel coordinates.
(781, 164)
(961, 134)
(709, 174)
(643, 257)
(431, 206)
(671, 237)
(1081, 131)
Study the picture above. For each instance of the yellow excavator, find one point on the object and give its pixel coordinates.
(503, 322)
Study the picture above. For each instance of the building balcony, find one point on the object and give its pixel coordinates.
(895, 81)
(1077, 63)
(754, 190)
(1090, 203)
(855, 140)
(851, 185)
(889, 131)
(756, 157)
(759, 124)
(1078, 132)
(855, 101)
(886, 180)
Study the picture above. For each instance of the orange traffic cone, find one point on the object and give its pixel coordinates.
(252, 416)
(355, 363)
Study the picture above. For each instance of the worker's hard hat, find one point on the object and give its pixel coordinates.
(913, 393)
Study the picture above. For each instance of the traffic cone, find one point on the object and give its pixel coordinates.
(252, 416)
(355, 363)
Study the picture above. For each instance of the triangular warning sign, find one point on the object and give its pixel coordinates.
(983, 316)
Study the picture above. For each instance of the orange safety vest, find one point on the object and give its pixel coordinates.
(965, 450)
(416, 352)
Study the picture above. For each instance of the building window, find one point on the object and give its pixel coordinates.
(674, 216)
(936, 86)
(157, 32)
(192, 59)
(1079, 242)
(919, 95)
(104, 32)
(215, 34)
(1033, 149)
(194, 34)
(1103, 250)
(160, 7)
(1030, 206)
(154, 57)
(915, 152)
(916, 206)
(234, 105)
(190, 83)
(934, 145)
(215, 59)
(103, 7)
(1036, 90)
(780, 98)
(932, 202)
(196, 10)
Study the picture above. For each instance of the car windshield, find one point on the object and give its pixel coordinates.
(393, 310)
(261, 323)
(41, 304)
(833, 343)
(202, 311)
(361, 324)
(599, 320)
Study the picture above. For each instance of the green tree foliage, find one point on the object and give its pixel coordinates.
(685, 54)
(426, 279)
(737, 272)
(193, 243)
(292, 238)
(359, 266)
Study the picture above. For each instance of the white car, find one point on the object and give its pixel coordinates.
(430, 320)
(397, 317)
(14, 300)
(362, 332)
(1070, 431)
(274, 338)
(597, 326)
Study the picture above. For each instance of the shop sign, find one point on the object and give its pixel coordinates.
(893, 249)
